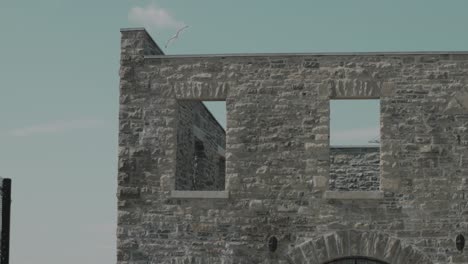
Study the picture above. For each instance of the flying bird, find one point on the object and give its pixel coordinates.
(176, 36)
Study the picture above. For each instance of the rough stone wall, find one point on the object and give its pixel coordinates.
(199, 164)
(354, 168)
(277, 158)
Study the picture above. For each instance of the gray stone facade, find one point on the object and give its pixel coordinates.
(278, 158)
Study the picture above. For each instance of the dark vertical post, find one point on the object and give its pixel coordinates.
(5, 234)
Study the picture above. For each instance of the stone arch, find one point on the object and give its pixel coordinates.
(356, 260)
(353, 243)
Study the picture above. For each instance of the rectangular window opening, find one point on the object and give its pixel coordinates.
(201, 144)
(354, 145)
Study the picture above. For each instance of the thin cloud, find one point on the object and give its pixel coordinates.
(354, 136)
(153, 17)
(55, 127)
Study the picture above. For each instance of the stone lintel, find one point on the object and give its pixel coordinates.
(354, 146)
(354, 89)
(352, 97)
(200, 194)
(354, 195)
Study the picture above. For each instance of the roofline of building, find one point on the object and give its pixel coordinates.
(370, 53)
(286, 54)
(132, 29)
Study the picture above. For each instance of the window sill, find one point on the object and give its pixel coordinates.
(354, 195)
(200, 194)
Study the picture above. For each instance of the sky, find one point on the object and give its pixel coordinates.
(59, 62)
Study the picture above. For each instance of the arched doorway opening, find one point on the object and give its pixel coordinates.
(355, 260)
(356, 247)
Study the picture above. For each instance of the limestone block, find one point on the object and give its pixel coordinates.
(320, 182)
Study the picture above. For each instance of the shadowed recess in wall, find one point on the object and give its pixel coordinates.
(201, 142)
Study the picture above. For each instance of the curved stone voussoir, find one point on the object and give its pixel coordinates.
(308, 251)
(295, 256)
(353, 243)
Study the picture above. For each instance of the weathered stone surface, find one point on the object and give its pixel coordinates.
(355, 88)
(278, 158)
(354, 169)
(354, 195)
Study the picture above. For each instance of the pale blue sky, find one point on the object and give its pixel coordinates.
(59, 92)
(354, 122)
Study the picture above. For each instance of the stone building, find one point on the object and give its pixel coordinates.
(271, 189)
